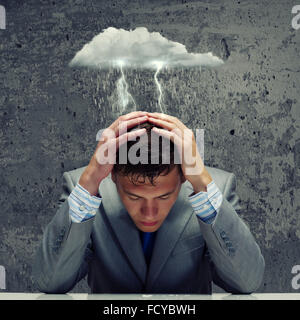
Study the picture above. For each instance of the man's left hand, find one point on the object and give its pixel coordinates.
(191, 162)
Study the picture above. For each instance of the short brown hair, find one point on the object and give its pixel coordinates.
(136, 171)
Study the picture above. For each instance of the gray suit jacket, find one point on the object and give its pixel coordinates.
(188, 254)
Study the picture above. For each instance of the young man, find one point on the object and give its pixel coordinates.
(148, 228)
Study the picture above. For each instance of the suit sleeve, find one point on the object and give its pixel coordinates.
(206, 204)
(236, 262)
(62, 258)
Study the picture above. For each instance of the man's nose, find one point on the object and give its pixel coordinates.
(149, 210)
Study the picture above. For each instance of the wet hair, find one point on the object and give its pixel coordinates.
(138, 173)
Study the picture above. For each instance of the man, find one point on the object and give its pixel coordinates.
(148, 228)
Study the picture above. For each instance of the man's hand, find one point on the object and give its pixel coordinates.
(191, 163)
(104, 157)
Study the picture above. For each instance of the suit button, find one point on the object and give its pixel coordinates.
(81, 208)
(223, 235)
(231, 250)
(228, 244)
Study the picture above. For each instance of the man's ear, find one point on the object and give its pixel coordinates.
(113, 176)
(182, 177)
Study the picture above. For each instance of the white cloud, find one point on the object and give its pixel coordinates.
(138, 48)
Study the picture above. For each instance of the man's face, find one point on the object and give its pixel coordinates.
(148, 205)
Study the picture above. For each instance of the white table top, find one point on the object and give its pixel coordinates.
(85, 296)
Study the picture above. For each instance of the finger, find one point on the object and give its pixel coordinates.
(121, 124)
(106, 152)
(126, 117)
(176, 139)
(129, 136)
(133, 114)
(168, 118)
(162, 116)
(162, 123)
(158, 115)
(109, 133)
(174, 135)
(126, 125)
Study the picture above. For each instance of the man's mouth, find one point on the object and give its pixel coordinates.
(149, 224)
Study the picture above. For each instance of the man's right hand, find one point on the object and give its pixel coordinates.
(112, 138)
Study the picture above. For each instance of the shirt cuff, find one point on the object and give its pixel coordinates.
(82, 204)
(206, 204)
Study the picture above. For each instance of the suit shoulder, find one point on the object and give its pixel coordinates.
(218, 171)
(75, 174)
(219, 176)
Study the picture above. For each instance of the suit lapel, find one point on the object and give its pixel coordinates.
(128, 235)
(124, 228)
(169, 233)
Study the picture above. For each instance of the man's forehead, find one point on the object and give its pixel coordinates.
(149, 190)
(163, 181)
(136, 183)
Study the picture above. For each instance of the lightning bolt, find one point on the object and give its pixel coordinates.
(159, 66)
(124, 96)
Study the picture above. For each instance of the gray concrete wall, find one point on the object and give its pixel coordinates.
(249, 108)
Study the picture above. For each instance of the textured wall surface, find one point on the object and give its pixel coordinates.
(249, 108)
